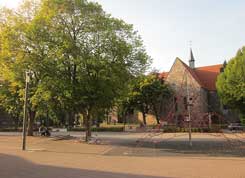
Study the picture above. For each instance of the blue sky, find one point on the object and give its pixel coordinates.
(216, 28)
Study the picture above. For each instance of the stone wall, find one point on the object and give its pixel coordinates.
(179, 79)
(150, 119)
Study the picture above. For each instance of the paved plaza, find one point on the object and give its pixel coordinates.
(118, 155)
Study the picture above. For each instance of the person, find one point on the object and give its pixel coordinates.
(40, 130)
(47, 132)
(44, 131)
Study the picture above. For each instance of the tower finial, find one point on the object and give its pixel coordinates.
(192, 59)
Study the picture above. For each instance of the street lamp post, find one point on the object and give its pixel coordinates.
(25, 110)
(189, 112)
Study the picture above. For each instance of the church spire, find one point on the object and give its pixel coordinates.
(192, 60)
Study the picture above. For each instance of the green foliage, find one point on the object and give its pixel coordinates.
(242, 118)
(231, 83)
(10, 101)
(148, 94)
(101, 129)
(81, 57)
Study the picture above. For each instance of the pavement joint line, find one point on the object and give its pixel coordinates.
(36, 149)
(107, 150)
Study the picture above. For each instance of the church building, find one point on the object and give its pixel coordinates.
(195, 96)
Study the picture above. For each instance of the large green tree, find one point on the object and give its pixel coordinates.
(82, 58)
(231, 83)
(96, 54)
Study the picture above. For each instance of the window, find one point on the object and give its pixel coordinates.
(185, 103)
(175, 104)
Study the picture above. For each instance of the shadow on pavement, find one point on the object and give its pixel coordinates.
(165, 147)
(16, 167)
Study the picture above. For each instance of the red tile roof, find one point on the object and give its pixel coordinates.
(163, 75)
(208, 75)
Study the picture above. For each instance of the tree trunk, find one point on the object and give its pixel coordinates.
(30, 123)
(156, 114)
(71, 119)
(124, 121)
(87, 119)
(144, 118)
(158, 121)
(47, 119)
(89, 132)
(157, 118)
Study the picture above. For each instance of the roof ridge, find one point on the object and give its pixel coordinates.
(209, 66)
(192, 72)
(205, 76)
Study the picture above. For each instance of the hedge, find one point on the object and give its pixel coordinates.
(99, 129)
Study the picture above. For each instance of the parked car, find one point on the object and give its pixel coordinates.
(235, 126)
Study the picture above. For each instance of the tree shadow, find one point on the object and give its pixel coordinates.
(16, 167)
(176, 147)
